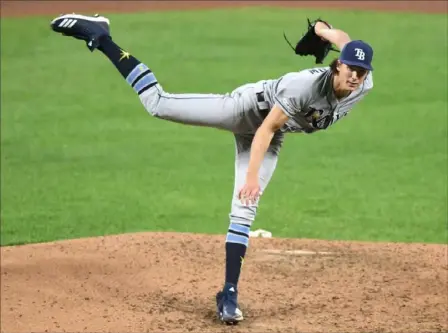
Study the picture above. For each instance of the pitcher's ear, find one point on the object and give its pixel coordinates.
(338, 65)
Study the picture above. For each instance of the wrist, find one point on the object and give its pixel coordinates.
(252, 176)
(321, 28)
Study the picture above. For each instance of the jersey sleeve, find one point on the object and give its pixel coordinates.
(292, 94)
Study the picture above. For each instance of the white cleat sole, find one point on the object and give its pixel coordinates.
(83, 17)
(232, 320)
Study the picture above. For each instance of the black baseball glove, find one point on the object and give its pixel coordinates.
(312, 44)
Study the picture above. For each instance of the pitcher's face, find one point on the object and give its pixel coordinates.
(350, 77)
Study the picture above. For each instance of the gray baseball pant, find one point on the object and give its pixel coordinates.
(234, 112)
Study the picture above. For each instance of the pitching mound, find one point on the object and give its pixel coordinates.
(166, 282)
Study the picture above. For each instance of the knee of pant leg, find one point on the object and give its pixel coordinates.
(241, 214)
(150, 100)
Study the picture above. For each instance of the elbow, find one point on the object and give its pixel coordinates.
(269, 127)
(274, 121)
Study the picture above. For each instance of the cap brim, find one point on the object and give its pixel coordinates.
(359, 64)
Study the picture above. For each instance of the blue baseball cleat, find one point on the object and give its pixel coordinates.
(227, 305)
(87, 28)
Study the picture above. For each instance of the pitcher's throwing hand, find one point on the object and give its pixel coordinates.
(250, 193)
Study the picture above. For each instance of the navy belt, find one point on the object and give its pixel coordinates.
(261, 99)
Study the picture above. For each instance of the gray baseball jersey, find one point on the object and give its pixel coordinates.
(308, 100)
(306, 97)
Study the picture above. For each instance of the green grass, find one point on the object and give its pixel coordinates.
(81, 157)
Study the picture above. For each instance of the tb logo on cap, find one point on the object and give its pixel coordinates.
(360, 54)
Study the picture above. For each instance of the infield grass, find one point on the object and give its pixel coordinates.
(81, 157)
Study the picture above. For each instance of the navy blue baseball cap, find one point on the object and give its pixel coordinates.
(357, 53)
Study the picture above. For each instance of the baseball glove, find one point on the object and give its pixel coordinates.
(311, 44)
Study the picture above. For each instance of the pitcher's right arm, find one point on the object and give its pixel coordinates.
(260, 144)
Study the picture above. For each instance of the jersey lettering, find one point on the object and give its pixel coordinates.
(317, 70)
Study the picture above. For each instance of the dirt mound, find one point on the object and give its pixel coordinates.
(166, 282)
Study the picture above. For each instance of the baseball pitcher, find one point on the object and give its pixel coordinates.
(259, 115)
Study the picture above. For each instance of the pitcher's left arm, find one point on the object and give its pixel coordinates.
(334, 36)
